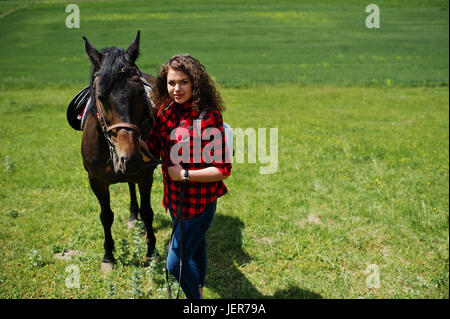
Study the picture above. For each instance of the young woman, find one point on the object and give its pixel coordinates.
(189, 116)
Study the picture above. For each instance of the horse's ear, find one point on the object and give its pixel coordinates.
(94, 55)
(133, 49)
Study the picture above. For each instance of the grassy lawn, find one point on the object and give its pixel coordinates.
(242, 43)
(362, 179)
(363, 149)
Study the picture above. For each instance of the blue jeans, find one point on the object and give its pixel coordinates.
(194, 251)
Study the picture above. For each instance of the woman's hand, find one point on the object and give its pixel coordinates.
(175, 172)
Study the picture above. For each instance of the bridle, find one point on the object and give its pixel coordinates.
(109, 129)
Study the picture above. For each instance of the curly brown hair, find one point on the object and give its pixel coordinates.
(204, 94)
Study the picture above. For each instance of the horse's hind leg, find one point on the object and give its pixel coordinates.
(147, 216)
(101, 190)
(134, 207)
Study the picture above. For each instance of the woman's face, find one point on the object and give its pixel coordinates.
(179, 86)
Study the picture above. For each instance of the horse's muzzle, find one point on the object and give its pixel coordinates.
(126, 156)
(128, 165)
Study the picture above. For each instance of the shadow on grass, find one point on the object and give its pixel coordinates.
(224, 240)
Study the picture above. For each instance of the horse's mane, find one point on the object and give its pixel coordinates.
(115, 60)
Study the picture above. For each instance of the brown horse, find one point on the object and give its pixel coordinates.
(120, 112)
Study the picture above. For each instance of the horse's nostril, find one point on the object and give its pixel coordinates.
(128, 164)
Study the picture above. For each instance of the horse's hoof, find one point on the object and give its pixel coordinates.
(106, 267)
(148, 259)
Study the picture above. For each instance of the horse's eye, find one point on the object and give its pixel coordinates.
(135, 78)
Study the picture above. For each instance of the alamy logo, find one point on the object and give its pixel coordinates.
(373, 280)
(215, 150)
(264, 157)
(73, 279)
(73, 19)
(373, 19)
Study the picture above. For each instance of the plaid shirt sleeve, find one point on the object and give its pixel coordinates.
(217, 148)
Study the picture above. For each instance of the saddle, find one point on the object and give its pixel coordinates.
(78, 108)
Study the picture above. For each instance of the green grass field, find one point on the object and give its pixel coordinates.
(363, 157)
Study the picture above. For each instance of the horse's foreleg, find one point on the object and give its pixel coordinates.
(134, 207)
(146, 212)
(101, 190)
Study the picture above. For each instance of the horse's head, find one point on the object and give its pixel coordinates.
(119, 94)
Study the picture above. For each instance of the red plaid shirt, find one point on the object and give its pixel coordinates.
(178, 120)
